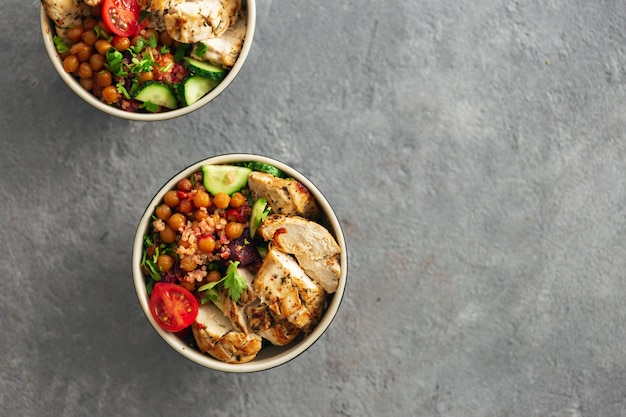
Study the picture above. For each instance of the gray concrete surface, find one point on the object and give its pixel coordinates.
(474, 151)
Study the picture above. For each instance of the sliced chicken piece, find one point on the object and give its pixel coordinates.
(285, 196)
(236, 311)
(224, 50)
(277, 331)
(274, 286)
(216, 335)
(312, 295)
(196, 20)
(66, 13)
(312, 244)
(250, 316)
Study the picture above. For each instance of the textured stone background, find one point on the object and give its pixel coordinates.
(474, 151)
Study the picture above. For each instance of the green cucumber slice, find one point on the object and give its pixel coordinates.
(196, 87)
(204, 69)
(260, 210)
(224, 178)
(157, 93)
(263, 167)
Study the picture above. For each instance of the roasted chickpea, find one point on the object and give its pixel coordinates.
(206, 244)
(74, 33)
(213, 276)
(165, 262)
(89, 23)
(102, 46)
(110, 94)
(85, 70)
(70, 63)
(200, 215)
(221, 200)
(163, 211)
(183, 243)
(121, 43)
(233, 230)
(168, 235)
(201, 199)
(87, 83)
(103, 78)
(97, 62)
(176, 221)
(146, 76)
(171, 198)
(186, 206)
(184, 185)
(89, 37)
(81, 50)
(188, 264)
(237, 200)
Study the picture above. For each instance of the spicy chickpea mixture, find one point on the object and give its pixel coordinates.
(113, 67)
(193, 230)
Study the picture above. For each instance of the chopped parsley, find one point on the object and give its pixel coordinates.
(60, 46)
(200, 49)
(232, 281)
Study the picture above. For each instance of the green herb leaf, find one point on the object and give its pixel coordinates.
(138, 47)
(181, 51)
(122, 90)
(232, 281)
(60, 45)
(115, 62)
(200, 49)
(153, 41)
(151, 107)
(102, 34)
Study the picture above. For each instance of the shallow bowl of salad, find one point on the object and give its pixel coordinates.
(148, 60)
(239, 263)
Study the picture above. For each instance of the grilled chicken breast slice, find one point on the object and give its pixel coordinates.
(196, 20)
(215, 335)
(284, 196)
(312, 244)
(250, 316)
(274, 284)
(277, 331)
(235, 311)
(66, 13)
(224, 50)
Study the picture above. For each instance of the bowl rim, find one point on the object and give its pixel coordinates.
(48, 31)
(260, 363)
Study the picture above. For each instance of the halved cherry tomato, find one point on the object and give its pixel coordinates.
(121, 16)
(172, 306)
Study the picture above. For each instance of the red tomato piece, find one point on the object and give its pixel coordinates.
(121, 16)
(172, 306)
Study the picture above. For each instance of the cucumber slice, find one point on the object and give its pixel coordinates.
(224, 178)
(259, 213)
(263, 167)
(196, 87)
(204, 69)
(157, 93)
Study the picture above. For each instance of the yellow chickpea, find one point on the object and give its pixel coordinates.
(237, 200)
(221, 200)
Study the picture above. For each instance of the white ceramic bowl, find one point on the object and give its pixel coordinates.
(270, 356)
(48, 31)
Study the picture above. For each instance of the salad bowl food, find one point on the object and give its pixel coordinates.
(148, 60)
(239, 263)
